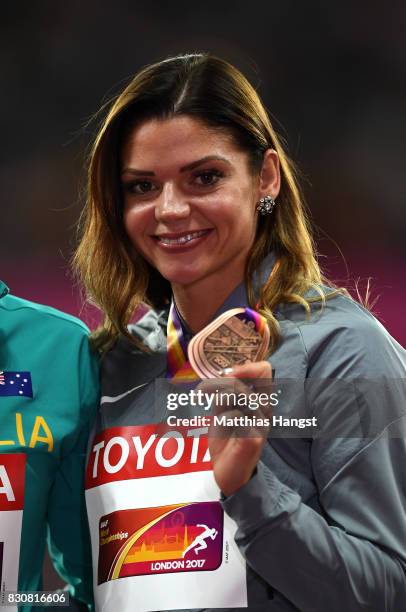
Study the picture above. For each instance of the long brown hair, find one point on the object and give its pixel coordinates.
(215, 92)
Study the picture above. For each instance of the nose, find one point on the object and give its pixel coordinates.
(171, 205)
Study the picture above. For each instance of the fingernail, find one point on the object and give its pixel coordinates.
(227, 371)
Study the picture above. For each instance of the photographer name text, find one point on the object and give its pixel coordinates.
(241, 421)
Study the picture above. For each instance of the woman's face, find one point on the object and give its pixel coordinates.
(189, 201)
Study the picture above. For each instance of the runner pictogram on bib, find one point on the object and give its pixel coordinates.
(176, 538)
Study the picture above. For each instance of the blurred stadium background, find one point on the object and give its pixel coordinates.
(333, 76)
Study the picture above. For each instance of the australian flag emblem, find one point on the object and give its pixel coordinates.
(15, 384)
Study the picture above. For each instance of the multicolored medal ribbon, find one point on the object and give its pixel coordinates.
(237, 336)
(178, 366)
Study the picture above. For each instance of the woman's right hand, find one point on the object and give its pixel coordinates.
(235, 451)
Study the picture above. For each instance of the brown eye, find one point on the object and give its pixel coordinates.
(139, 187)
(142, 186)
(208, 177)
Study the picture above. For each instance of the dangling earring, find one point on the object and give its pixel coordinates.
(266, 205)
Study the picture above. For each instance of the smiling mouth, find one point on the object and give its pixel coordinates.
(180, 239)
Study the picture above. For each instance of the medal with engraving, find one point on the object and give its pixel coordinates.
(236, 337)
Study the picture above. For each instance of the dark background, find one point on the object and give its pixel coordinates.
(332, 74)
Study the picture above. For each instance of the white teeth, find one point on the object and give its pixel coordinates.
(181, 239)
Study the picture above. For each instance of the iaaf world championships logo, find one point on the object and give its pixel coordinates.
(176, 538)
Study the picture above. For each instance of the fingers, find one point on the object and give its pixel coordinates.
(238, 423)
(211, 385)
(257, 369)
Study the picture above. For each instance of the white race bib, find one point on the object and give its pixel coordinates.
(160, 538)
(12, 478)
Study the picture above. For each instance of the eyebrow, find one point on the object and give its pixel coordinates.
(190, 166)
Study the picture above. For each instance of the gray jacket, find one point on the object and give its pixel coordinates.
(322, 522)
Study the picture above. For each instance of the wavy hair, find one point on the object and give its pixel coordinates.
(213, 91)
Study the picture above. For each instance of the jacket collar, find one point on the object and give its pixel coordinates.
(3, 289)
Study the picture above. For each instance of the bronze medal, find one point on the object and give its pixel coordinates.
(229, 340)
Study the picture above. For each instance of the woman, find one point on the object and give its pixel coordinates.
(180, 173)
(48, 397)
